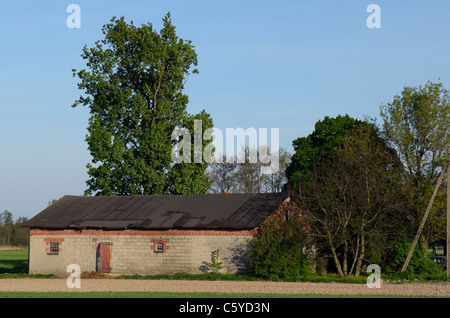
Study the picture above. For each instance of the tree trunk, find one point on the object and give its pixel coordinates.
(424, 245)
(344, 259)
(336, 261)
(360, 258)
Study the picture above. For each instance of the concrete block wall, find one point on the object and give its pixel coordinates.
(135, 252)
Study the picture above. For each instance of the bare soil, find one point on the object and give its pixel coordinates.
(123, 285)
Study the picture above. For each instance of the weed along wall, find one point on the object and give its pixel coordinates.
(137, 251)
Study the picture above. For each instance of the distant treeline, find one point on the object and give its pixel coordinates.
(11, 232)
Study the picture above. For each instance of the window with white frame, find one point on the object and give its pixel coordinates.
(160, 247)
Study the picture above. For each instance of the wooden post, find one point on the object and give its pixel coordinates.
(448, 209)
(423, 220)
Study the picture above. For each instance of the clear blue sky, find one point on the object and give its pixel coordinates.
(263, 64)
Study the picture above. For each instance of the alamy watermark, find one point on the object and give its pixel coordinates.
(374, 19)
(256, 146)
(74, 19)
(74, 279)
(374, 280)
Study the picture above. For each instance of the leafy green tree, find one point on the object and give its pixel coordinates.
(353, 199)
(133, 86)
(317, 147)
(417, 125)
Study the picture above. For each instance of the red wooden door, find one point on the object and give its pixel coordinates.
(104, 257)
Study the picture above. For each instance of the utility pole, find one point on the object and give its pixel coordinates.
(448, 209)
(422, 223)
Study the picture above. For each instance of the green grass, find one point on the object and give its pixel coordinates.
(214, 277)
(13, 261)
(14, 264)
(181, 276)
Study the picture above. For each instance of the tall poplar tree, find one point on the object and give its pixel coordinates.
(133, 85)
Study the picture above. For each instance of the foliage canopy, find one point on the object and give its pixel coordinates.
(416, 124)
(133, 86)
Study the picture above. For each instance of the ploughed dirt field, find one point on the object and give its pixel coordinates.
(89, 284)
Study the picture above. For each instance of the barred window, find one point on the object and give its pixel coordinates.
(160, 247)
(54, 247)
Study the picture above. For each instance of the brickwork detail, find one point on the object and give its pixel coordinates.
(53, 240)
(143, 232)
(159, 245)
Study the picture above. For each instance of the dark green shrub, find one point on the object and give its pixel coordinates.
(282, 262)
(277, 249)
(418, 266)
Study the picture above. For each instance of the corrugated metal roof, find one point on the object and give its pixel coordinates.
(231, 211)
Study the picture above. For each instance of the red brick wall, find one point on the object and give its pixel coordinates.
(143, 232)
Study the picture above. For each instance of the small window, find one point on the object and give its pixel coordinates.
(54, 247)
(160, 247)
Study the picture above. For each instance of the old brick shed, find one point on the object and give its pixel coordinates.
(160, 234)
